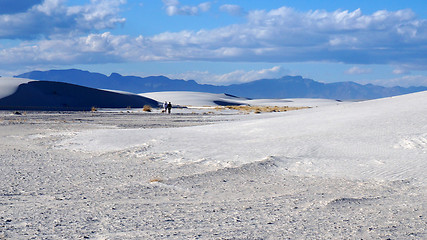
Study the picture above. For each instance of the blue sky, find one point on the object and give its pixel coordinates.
(220, 41)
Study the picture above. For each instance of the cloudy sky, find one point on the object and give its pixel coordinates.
(220, 41)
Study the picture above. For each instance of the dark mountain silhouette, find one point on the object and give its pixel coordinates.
(298, 87)
(118, 82)
(285, 87)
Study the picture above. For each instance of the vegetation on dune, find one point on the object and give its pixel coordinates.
(146, 108)
(260, 109)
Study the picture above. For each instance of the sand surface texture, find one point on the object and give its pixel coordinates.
(352, 171)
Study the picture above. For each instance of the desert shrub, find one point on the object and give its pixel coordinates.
(156, 180)
(146, 108)
(261, 109)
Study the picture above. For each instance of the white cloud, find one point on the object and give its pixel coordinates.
(50, 7)
(400, 71)
(238, 76)
(284, 35)
(358, 71)
(53, 17)
(204, 7)
(231, 9)
(404, 81)
(173, 7)
(280, 35)
(94, 48)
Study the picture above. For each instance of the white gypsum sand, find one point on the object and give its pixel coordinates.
(200, 99)
(354, 170)
(363, 140)
(9, 85)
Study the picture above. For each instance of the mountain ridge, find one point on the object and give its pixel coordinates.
(284, 87)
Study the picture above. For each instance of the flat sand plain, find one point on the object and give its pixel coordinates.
(47, 192)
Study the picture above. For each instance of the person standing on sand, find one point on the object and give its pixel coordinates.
(169, 106)
(165, 107)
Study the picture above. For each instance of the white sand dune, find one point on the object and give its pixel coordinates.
(199, 99)
(9, 85)
(26, 94)
(381, 139)
(293, 102)
(347, 171)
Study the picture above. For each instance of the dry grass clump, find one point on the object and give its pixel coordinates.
(156, 180)
(146, 108)
(261, 109)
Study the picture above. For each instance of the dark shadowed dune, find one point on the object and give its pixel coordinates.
(46, 95)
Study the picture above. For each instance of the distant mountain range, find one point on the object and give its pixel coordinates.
(285, 87)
